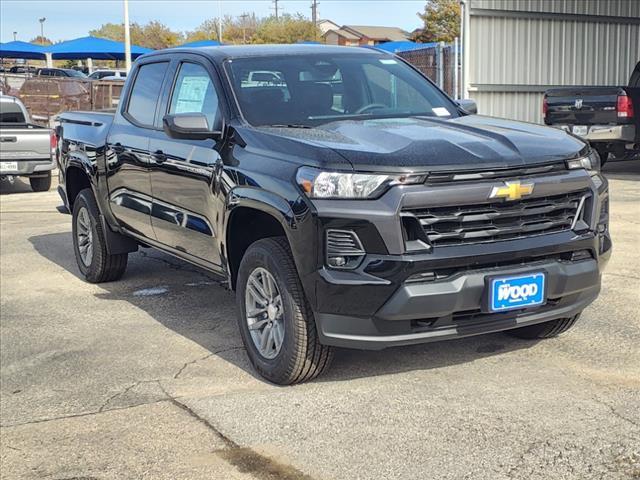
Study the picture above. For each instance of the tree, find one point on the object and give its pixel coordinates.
(241, 29)
(207, 30)
(286, 28)
(441, 22)
(154, 34)
(41, 41)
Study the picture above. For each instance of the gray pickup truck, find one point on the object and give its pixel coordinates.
(26, 150)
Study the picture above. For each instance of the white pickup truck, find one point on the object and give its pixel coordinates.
(26, 150)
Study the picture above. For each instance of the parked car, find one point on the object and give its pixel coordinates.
(367, 215)
(23, 69)
(108, 74)
(608, 117)
(26, 150)
(60, 72)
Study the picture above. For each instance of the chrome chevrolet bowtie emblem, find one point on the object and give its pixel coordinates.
(512, 191)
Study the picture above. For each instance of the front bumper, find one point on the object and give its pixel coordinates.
(435, 311)
(380, 304)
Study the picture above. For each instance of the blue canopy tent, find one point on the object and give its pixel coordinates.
(94, 48)
(201, 43)
(18, 49)
(403, 46)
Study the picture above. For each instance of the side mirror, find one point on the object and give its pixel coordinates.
(468, 105)
(188, 126)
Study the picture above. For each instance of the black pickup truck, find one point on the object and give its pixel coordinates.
(346, 199)
(607, 117)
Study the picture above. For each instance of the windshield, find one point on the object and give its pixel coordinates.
(309, 90)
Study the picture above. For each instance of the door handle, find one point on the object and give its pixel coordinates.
(158, 156)
(117, 148)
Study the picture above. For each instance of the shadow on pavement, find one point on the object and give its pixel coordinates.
(622, 169)
(19, 185)
(207, 315)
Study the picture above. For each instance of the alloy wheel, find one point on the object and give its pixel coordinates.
(264, 313)
(84, 236)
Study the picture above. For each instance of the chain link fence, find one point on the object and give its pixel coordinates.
(439, 64)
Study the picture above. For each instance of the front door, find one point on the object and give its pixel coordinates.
(182, 174)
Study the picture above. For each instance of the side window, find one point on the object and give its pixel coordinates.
(145, 92)
(390, 90)
(194, 92)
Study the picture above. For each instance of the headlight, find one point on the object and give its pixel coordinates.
(591, 162)
(319, 184)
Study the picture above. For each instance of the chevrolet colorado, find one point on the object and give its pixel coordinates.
(351, 204)
(607, 117)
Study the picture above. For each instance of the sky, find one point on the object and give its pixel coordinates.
(68, 19)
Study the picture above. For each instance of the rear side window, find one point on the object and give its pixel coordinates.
(145, 92)
(11, 113)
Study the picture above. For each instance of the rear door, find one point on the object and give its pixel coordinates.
(128, 158)
(184, 205)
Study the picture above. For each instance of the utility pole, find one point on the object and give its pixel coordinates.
(41, 20)
(314, 18)
(244, 17)
(127, 37)
(220, 21)
(275, 7)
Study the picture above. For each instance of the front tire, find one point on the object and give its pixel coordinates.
(271, 303)
(549, 329)
(89, 244)
(40, 184)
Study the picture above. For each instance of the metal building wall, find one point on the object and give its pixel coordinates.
(520, 48)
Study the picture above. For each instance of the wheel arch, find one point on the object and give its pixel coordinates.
(253, 215)
(78, 175)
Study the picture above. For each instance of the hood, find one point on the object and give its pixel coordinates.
(416, 144)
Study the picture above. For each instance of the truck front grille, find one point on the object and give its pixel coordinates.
(496, 221)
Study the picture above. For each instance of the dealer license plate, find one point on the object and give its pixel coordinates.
(8, 167)
(521, 291)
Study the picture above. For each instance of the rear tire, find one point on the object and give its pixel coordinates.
(300, 355)
(40, 184)
(544, 330)
(89, 244)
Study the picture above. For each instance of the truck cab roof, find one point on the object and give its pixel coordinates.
(225, 52)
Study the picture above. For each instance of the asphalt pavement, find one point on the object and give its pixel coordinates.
(147, 378)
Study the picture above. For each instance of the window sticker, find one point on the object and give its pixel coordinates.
(441, 111)
(388, 61)
(192, 94)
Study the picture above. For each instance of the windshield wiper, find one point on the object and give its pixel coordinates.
(289, 125)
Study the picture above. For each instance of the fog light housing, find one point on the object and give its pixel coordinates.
(343, 249)
(579, 255)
